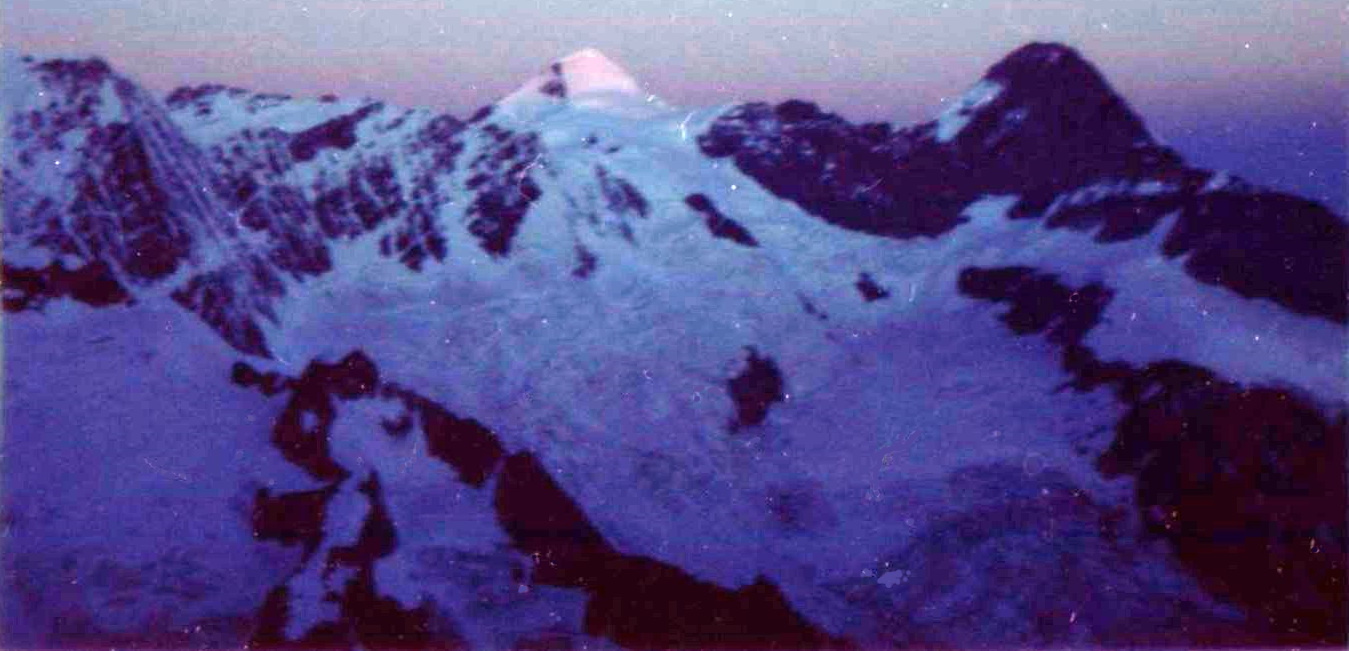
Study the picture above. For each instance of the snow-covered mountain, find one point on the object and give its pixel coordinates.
(589, 369)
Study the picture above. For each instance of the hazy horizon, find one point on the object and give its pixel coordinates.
(1248, 86)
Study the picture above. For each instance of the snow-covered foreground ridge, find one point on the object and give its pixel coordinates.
(591, 370)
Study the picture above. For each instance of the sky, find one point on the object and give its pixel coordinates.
(1257, 87)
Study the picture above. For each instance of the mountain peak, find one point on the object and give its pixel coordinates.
(586, 77)
(1042, 55)
(1043, 92)
(589, 71)
(1050, 69)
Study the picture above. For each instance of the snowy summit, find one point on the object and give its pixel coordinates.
(585, 78)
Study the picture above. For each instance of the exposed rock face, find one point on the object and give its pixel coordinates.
(620, 196)
(844, 174)
(96, 172)
(1246, 483)
(1043, 124)
(719, 225)
(29, 288)
(212, 197)
(502, 178)
(337, 133)
(131, 184)
(345, 570)
(634, 601)
(1043, 116)
(1039, 302)
(870, 291)
(754, 389)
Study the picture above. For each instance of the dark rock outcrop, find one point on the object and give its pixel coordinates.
(586, 262)
(1246, 483)
(634, 601)
(365, 618)
(300, 432)
(467, 445)
(29, 288)
(1046, 126)
(754, 389)
(719, 225)
(291, 518)
(232, 300)
(869, 289)
(844, 174)
(620, 196)
(638, 602)
(1039, 302)
(503, 186)
(339, 133)
(1267, 245)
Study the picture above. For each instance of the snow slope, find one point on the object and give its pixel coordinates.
(127, 494)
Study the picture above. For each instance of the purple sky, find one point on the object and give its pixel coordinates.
(1255, 86)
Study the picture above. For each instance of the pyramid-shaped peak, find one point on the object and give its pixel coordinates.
(585, 79)
(1046, 91)
(1046, 62)
(590, 71)
(588, 54)
(1044, 53)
